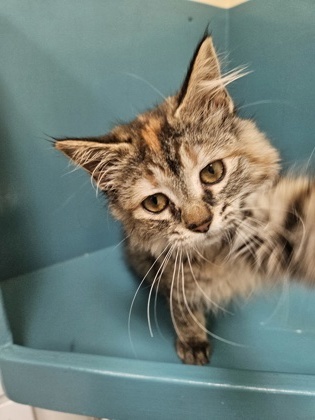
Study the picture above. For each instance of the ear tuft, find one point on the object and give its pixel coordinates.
(102, 157)
(204, 85)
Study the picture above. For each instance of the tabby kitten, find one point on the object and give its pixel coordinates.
(206, 215)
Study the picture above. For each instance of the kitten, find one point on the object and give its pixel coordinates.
(207, 216)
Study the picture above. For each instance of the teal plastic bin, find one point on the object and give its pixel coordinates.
(68, 340)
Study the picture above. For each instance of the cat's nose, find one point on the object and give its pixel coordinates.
(203, 227)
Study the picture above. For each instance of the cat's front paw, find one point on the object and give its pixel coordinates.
(193, 352)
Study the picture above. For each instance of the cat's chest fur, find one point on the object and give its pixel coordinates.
(219, 280)
(207, 278)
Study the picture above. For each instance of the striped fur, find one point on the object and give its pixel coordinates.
(211, 242)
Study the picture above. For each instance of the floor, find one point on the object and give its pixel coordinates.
(10, 410)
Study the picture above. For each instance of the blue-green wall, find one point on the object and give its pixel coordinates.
(76, 67)
(67, 70)
(276, 38)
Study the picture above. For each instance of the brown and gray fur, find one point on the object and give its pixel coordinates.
(214, 242)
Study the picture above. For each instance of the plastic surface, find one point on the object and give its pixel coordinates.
(75, 68)
(72, 68)
(73, 350)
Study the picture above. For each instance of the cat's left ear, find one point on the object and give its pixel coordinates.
(204, 86)
(103, 157)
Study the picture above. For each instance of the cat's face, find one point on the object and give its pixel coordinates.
(179, 174)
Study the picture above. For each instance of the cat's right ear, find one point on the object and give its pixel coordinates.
(102, 157)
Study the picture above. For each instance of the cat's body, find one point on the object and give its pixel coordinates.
(206, 215)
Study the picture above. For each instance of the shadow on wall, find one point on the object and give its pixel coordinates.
(18, 236)
(35, 229)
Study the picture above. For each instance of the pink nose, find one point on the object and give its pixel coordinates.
(203, 227)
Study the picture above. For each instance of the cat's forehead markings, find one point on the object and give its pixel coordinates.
(190, 153)
(149, 176)
(150, 133)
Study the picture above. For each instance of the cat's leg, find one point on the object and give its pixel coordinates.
(192, 343)
(189, 323)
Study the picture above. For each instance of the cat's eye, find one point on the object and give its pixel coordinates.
(212, 173)
(155, 203)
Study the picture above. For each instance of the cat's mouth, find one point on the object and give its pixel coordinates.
(189, 239)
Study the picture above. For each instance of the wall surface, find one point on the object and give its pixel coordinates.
(276, 40)
(85, 65)
(74, 69)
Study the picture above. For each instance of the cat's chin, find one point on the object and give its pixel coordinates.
(210, 238)
(191, 240)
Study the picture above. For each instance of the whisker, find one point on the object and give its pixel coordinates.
(178, 283)
(309, 160)
(266, 102)
(74, 167)
(135, 76)
(204, 258)
(136, 293)
(159, 272)
(248, 240)
(245, 247)
(281, 301)
(178, 332)
(227, 235)
(201, 289)
(200, 325)
(70, 197)
(300, 247)
(123, 240)
(170, 253)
